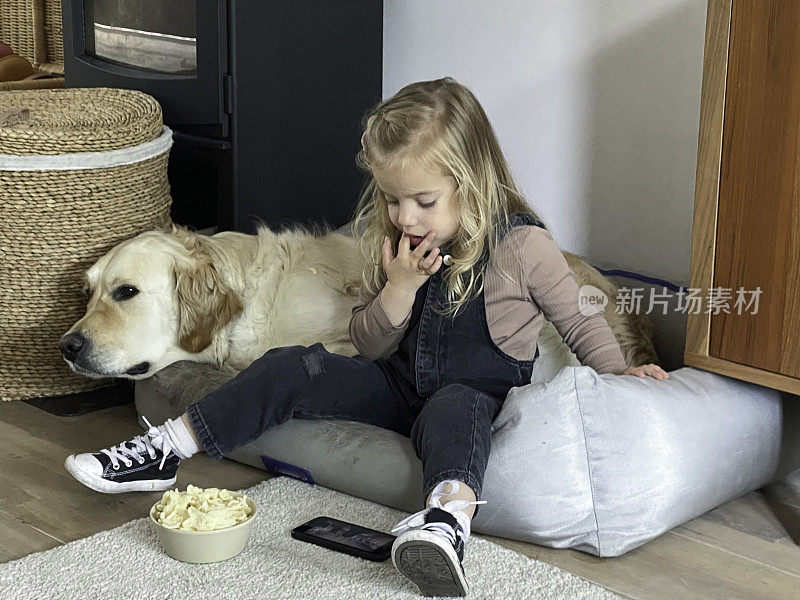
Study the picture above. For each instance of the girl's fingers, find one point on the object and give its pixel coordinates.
(386, 251)
(423, 246)
(404, 247)
(435, 266)
(652, 370)
(430, 259)
(657, 372)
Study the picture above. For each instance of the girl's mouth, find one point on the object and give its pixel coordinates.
(415, 239)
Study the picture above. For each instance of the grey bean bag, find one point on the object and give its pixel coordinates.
(598, 463)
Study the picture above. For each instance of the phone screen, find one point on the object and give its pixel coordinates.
(349, 534)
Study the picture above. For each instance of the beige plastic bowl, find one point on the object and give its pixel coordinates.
(205, 546)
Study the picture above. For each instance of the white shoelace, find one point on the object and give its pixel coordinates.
(147, 442)
(417, 520)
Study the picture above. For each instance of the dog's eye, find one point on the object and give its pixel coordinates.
(124, 292)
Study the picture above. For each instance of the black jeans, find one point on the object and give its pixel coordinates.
(450, 430)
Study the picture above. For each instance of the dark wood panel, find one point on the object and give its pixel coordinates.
(758, 226)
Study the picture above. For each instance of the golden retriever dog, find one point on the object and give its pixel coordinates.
(228, 298)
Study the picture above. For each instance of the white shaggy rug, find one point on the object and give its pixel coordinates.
(128, 562)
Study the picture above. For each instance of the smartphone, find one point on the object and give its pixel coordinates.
(346, 537)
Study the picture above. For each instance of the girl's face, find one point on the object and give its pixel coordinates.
(420, 201)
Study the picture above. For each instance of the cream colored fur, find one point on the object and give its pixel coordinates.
(634, 332)
(227, 299)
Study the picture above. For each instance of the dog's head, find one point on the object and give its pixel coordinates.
(153, 300)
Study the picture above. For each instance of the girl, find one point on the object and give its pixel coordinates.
(441, 342)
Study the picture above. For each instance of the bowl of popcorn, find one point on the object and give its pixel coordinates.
(203, 525)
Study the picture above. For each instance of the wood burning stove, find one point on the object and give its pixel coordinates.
(265, 98)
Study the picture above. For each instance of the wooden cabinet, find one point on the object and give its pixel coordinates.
(746, 230)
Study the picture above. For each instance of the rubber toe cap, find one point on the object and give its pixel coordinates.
(84, 463)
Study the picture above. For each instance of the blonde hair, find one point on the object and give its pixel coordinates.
(442, 124)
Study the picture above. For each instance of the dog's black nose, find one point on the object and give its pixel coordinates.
(71, 345)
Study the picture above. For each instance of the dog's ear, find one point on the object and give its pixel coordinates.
(205, 304)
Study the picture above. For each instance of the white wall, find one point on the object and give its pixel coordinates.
(596, 104)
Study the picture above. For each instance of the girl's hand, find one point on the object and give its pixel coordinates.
(409, 270)
(653, 370)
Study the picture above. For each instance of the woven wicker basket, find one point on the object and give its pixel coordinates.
(81, 170)
(32, 84)
(33, 29)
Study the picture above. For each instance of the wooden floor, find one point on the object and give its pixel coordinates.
(741, 551)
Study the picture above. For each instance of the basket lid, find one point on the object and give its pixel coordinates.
(63, 121)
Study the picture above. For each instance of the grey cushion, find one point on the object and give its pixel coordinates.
(598, 463)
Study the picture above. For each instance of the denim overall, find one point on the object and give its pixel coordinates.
(438, 351)
(442, 387)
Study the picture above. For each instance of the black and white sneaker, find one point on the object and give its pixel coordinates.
(430, 547)
(150, 464)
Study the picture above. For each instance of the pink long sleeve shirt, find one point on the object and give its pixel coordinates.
(544, 287)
